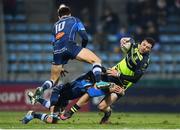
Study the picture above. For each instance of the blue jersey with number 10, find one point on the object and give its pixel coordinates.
(66, 28)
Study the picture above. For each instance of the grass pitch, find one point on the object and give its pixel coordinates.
(10, 120)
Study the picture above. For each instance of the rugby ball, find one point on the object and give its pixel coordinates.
(125, 47)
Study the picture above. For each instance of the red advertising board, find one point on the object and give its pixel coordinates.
(14, 97)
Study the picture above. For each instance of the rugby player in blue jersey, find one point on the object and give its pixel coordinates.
(65, 48)
(126, 73)
(61, 94)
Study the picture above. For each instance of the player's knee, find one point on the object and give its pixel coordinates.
(61, 68)
(56, 68)
(102, 106)
(94, 60)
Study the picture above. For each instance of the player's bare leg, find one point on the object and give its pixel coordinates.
(111, 98)
(89, 57)
(105, 103)
(82, 101)
(41, 116)
(56, 71)
(52, 109)
(107, 113)
(104, 106)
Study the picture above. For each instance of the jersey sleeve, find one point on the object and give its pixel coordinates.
(80, 25)
(53, 39)
(143, 65)
(82, 32)
(132, 79)
(53, 35)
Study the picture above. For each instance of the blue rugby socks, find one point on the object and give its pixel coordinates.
(97, 70)
(47, 84)
(44, 102)
(40, 116)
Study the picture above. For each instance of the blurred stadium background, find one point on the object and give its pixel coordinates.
(26, 52)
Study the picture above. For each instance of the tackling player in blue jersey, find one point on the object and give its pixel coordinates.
(61, 94)
(65, 48)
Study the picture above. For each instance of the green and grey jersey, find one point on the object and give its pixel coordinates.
(132, 66)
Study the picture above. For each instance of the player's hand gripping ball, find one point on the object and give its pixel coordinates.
(125, 44)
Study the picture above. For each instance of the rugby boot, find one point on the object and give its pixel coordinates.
(31, 98)
(102, 85)
(105, 118)
(65, 116)
(38, 93)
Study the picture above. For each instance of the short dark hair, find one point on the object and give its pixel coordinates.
(65, 10)
(150, 40)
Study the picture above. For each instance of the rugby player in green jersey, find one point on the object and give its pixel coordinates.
(127, 72)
